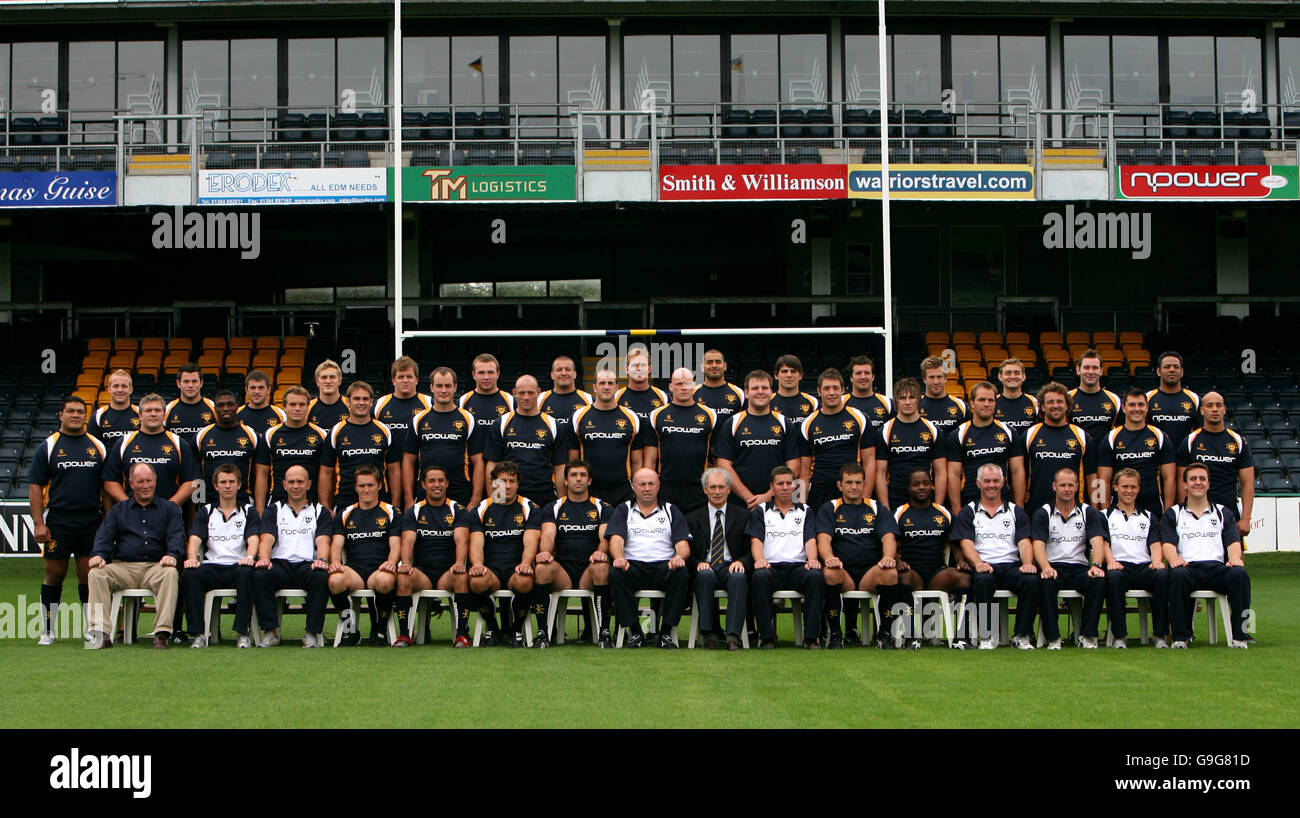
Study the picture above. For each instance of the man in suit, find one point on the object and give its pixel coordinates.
(722, 557)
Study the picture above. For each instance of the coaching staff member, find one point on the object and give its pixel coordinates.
(720, 552)
(649, 542)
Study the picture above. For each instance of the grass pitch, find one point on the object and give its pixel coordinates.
(434, 685)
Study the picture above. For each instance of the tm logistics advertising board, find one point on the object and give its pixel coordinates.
(1206, 182)
(484, 184)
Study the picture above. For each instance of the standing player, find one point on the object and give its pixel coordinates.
(531, 440)
(172, 457)
(357, 441)
(328, 407)
(1015, 409)
(858, 543)
(945, 411)
(994, 538)
(259, 413)
(833, 436)
(1069, 547)
(1227, 456)
(397, 409)
(874, 407)
(639, 395)
(924, 528)
(293, 553)
(783, 542)
(486, 402)
(222, 547)
(725, 399)
(1047, 447)
(1095, 411)
(1170, 406)
(445, 435)
(908, 442)
(292, 443)
(574, 552)
(754, 442)
(190, 412)
(649, 542)
(609, 437)
(788, 400)
(681, 433)
(564, 397)
(1134, 559)
(979, 441)
(1203, 548)
(1143, 448)
(503, 540)
(229, 440)
(64, 496)
(435, 548)
(118, 418)
(368, 534)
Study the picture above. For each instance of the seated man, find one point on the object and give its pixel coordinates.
(228, 535)
(994, 538)
(1203, 548)
(435, 548)
(721, 554)
(783, 540)
(1134, 560)
(138, 546)
(924, 528)
(858, 543)
(1067, 537)
(649, 542)
(503, 537)
(368, 534)
(294, 553)
(574, 551)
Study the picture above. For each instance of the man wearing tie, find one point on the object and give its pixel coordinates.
(721, 555)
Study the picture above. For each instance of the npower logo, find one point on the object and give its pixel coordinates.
(1207, 182)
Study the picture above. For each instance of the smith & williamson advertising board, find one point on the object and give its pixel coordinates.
(682, 183)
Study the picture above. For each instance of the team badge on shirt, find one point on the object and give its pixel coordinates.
(519, 519)
(999, 437)
(312, 440)
(698, 418)
(939, 519)
(1029, 411)
(848, 426)
(377, 438)
(541, 434)
(776, 430)
(593, 514)
(167, 450)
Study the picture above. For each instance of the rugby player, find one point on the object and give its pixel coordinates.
(681, 433)
(564, 397)
(1046, 447)
(294, 553)
(328, 408)
(945, 411)
(533, 441)
(503, 538)
(171, 456)
(486, 402)
(1228, 457)
(978, 441)
(754, 442)
(908, 442)
(1138, 445)
(189, 412)
(446, 435)
(783, 543)
(1134, 558)
(1170, 406)
(640, 395)
(353, 442)
(830, 437)
(258, 412)
(610, 438)
(574, 551)
(435, 548)
(1096, 411)
(876, 408)
(294, 442)
(229, 440)
(368, 534)
(725, 399)
(1014, 408)
(788, 400)
(118, 417)
(397, 411)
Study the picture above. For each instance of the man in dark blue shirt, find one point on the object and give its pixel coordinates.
(1228, 457)
(229, 440)
(138, 546)
(532, 440)
(681, 433)
(1144, 448)
(983, 439)
(754, 442)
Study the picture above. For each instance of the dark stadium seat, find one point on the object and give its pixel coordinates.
(374, 126)
(1279, 485)
(861, 123)
(1288, 448)
(699, 154)
(494, 124)
(345, 127)
(438, 125)
(317, 124)
(960, 154)
(1014, 155)
(8, 163)
(466, 126)
(291, 127)
(22, 130)
(819, 123)
(299, 158)
(803, 156)
(792, 120)
(413, 126)
(988, 153)
(10, 454)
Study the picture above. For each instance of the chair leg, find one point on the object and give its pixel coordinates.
(555, 614)
(796, 608)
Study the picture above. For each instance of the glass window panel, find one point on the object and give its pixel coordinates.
(917, 77)
(311, 72)
(975, 81)
(978, 264)
(475, 71)
(1024, 69)
(1136, 69)
(1288, 56)
(1239, 70)
(476, 289)
(425, 71)
(253, 86)
(754, 63)
(862, 69)
(533, 80)
(582, 77)
(1087, 71)
(647, 70)
(588, 289)
(695, 68)
(140, 72)
(361, 70)
(521, 289)
(1191, 70)
(803, 69)
(205, 84)
(91, 97)
(35, 70)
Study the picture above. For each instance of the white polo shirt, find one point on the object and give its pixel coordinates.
(648, 537)
(1200, 539)
(783, 535)
(226, 541)
(295, 534)
(1132, 535)
(996, 536)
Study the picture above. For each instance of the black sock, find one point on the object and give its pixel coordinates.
(384, 602)
(851, 611)
(50, 597)
(341, 601)
(402, 608)
(462, 603)
(519, 611)
(373, 611)
(487, 611)
(602, 608)
(541, 605)
(831, 611)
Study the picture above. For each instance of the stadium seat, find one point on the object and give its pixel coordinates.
(1050, 338)
(507, 595)
(966, 338)
(289, 376)
(955, 389)
(990, 339)
(240, 342)
(180, 345)
(934, 337)
(870, 608)
(559, 610)
(213, 344)
(1144, 613)
(104, 345)
(1224, 613)
(421, 606)
(1103, 338)
(369, 596)
(1130, 337)
(1077, 337)
(1018, 338)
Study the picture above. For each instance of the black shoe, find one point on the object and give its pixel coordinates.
(605, 640)
(767, 644)
(517, 641)
(666, 642)
(584, 635)
(814, 644)
(491, 639)
(710, 642)
(885, 643)
(180, 639)
(652, 636)
(351, 639)
(634, 640)
(733, 642)
(378, 639)
(852, 637)
(540, 641)
(913, 644)
(836, 642)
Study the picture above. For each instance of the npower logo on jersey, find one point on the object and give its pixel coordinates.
(1207, 182)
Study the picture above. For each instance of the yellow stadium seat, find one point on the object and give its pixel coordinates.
(121, 360)
(960, 338)
(241, 342)
(237, 362)
(1105, 338)
(994, 355)
(935, 349)
(954, 389)
(993, 339)
(1130, 337)
(278, 397)
(210, 361)
(90, 380)
(90, 396)
(126, 345)
(289, 377)
(99, 345)
(1050, 338)
(295, 342)
(180, 345)
(154, 344)
(267, 360)
(1077, 349)
(267, 342)
(1018, 338)
(102, 398)
(935, 337)
(97, 360)
(212, 343)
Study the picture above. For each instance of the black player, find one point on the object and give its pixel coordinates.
(609, 437)
(292, 443)
(754, 442)
(681, 433)
(725, 399)
(574, 552)
(1170, 406)
(119, 417)
(446, 435)
(358, 440)
(64, 495)
(229, 440)
(190, 412)
(908, 442)
(368, 535)
(435, 549)
(831, 437)
(924, 528)
(503, 537)
(533, 441)
(258, 412)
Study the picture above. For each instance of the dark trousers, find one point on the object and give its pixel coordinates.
(1073, 577)
(648, 576)
(614, 493)
(285, 574)
(686, 496)
(1208, 576)
(208, 576)
(788, 576)
(737, 588)
(1007, 577)
(820, 495)
(1137, 577)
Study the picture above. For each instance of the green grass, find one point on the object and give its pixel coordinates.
(582, 686)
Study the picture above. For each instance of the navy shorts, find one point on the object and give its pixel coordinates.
(71, 535)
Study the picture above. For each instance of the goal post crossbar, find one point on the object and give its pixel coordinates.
(639, 333)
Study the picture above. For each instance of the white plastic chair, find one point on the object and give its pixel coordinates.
(559, 610)
(132, 598)
(212, 612)
(366, 593)
(695, 625)
(419, 617)
(1144, 612)
(647, 611)
(872, 608)
(1225, 613)
(497, 596)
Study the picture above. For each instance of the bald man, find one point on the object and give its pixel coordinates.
(1228, 457)
(534, 441)
(649, 542)
(681, 432)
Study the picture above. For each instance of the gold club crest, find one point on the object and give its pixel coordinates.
(1072, 444)
(848, 425)
(939, 519)
(541, 434)
(450, 518)
(999, 437)
(519, 519)
(243, 441)
(776, 430)
(701, 418)
(458, 425)
(381, 521)
(91, 450)
(167, 450)
(592, 515)
(501, 410)
(378, 438)
(925, 438)
(311, 440)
